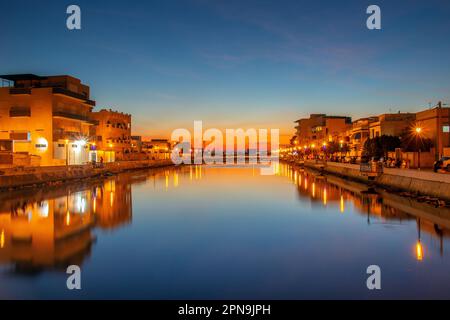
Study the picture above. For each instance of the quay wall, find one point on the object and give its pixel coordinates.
(34, 176)
(418, 182)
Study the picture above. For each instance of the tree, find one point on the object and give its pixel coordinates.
(380, 146)
(336, 147)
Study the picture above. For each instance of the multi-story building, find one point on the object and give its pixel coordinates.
(435, 125)
(157, 149)
(358, 135)
(136, 143)
(46, 117)
(320, 128)
(112, 135)
(391, 124)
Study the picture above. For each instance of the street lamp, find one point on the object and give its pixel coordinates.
(418, 131)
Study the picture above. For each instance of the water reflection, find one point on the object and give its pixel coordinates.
(52, 228)
(382, 207)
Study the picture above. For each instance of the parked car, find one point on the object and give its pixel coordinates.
(443, 163)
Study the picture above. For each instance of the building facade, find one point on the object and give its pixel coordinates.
(435, 125)
(112, 135)
(157, 149)
(319, 129)
(358, 135)
(45, 117)
(392, 124)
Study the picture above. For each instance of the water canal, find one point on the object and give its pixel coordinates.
(221, 233)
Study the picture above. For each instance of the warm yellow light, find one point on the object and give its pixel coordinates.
(314, 190)
(342, 204)
(419, 251)
(324, 144)
(325, 197)
(2, 239)
(67, 218)
(110, 145)
(313, 145)
(341, 141)
(295, 142)
(305, 146)
(66, 141)
(175, 179)
(418, 129)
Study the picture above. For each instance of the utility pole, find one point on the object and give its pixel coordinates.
(439, 131)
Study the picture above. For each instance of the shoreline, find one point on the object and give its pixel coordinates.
(410, 183)
(34, 177)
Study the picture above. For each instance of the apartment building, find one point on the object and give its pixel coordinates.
(435, 125)
(321, 128)
(392, 124)
(45, 118)
(112, 135)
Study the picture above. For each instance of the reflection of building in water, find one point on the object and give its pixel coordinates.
(385, 209)
(111, 203)
(39, 234)
(48, 233)
(52, 228)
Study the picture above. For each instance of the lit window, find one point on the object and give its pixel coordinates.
(446, 129)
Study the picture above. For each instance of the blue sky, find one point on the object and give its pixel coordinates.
(233, 63)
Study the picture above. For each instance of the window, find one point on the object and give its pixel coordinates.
(20, 112)
(446, 129)
(6, 145)
(20, 136)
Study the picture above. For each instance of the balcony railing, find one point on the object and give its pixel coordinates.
(73, 95)
(20, 91)
(71, 116)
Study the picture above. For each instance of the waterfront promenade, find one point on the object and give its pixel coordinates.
(415, 181)
(16, 177)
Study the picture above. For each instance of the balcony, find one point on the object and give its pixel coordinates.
(20, 91)
(74, 95)
(71, 116)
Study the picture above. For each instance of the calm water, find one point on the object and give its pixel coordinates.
(196, 232)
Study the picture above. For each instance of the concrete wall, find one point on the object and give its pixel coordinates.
(415, 181)
(17, 177)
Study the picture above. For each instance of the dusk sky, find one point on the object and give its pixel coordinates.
(246, 63)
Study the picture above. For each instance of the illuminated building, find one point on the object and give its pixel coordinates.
(44, 120)
(391, 124)
(320, 128)
(112, 135)
(436, 126)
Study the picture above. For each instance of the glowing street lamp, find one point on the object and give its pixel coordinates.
(418, 131)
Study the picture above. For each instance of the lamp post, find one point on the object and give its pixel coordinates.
(418, 131)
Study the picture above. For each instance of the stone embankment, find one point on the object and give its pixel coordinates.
(37, 176)
(419, 183)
